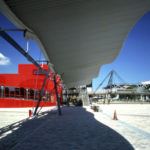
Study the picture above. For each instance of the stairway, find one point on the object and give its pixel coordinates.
(84, 96)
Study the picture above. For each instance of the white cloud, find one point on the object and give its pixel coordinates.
(4, 60)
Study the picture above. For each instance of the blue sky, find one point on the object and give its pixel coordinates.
(132, 63)
(10, 57)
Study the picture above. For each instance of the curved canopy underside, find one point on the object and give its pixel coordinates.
(77, 36)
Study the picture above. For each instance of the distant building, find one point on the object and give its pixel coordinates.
(125, 92)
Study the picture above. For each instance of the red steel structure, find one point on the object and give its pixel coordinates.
(23, 89)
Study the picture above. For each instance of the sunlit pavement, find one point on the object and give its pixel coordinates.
(11, 115)
(133, 122)
(8, 117)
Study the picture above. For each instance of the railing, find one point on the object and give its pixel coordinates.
(22, 93)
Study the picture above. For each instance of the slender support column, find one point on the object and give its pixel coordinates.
(27, 93)
(57, 97)
(2, 91)
(41, 95)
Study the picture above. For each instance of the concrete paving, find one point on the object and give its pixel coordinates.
(76, 129)
(133, 122)
(9, 116)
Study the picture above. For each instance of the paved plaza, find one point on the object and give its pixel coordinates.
(82, 129)
(133, 122)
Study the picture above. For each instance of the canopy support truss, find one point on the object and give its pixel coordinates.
(12, 42)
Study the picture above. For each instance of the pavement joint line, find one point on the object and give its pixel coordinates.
(138, 131)
(133, 128)
(26, 137)
(4, 129)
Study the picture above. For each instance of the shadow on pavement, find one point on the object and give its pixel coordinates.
(76, 129)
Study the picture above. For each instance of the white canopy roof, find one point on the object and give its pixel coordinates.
(77, 36)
